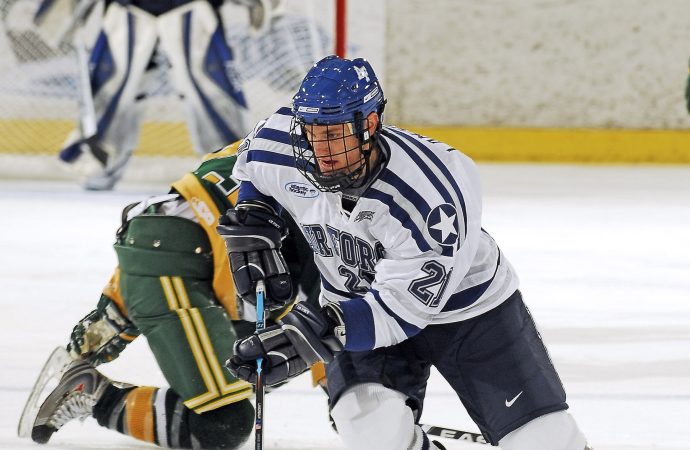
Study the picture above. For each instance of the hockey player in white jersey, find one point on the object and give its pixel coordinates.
(410, 279)
(190, 33)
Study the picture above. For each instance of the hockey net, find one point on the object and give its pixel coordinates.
(40, 87)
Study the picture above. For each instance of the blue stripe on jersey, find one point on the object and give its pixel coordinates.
(409, 329)
(411, 194)
(272, 134)
(406, 191)
(399, 213)
(329, 287)
(249, 192)
(441, 166)
(465, 298)
(267, 157)
(284, 111)
(359, 325)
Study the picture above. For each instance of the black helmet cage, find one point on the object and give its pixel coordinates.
(357, 172)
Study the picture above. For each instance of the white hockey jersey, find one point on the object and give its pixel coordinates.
(411, 253)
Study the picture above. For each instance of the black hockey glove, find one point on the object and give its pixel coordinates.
(253, 234)
(305, 335)
(102, 334)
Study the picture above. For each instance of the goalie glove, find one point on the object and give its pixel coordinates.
(102, 334)
(305, 336)
(262, 13)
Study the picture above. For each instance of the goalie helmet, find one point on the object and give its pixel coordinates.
(338, 93)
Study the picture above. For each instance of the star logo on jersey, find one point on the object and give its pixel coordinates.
(442, 224)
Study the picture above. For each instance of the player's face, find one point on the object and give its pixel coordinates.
(336, 147)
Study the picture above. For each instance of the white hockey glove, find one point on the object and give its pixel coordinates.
(102, 334)
(305, 336)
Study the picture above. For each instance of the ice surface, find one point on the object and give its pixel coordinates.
(602, 253)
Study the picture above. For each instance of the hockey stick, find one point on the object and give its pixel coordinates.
(450, 433)
(259, 417)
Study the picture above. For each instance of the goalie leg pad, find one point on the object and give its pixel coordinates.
(193, 39)
(557, 431)
(370, 415)
(117, 62)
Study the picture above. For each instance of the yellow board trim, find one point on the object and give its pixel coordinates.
(510, 144)
(47, 136)
(552, 145)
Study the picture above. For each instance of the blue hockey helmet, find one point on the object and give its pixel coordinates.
(336, 89)
(337, 92)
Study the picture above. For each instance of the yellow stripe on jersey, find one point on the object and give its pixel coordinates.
(202, 331)
(207, 212)
(112, 291)
(220, 392)
(169, 293)
(242, 395)
(205, 340)
(228, 150)
(194, 345)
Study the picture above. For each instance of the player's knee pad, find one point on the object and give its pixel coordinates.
(372, 416)
(555, 431)
(227, 427)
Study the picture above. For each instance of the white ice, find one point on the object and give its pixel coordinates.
(602, 253)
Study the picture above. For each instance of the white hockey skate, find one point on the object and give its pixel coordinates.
(79, 389)
(52, 371)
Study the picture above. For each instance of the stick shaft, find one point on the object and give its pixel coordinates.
(259, 415)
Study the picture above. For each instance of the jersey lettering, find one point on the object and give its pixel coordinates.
(359, 257)
(225, 185)
(317, 239)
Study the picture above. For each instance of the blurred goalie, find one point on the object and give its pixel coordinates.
(189, 33)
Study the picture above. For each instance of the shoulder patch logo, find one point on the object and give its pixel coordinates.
(302, 190)
(364, 215)
(243, 146)
(442, 224)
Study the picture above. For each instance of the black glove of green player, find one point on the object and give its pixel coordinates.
(102, 334)
(253, 235)
(305, 335)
